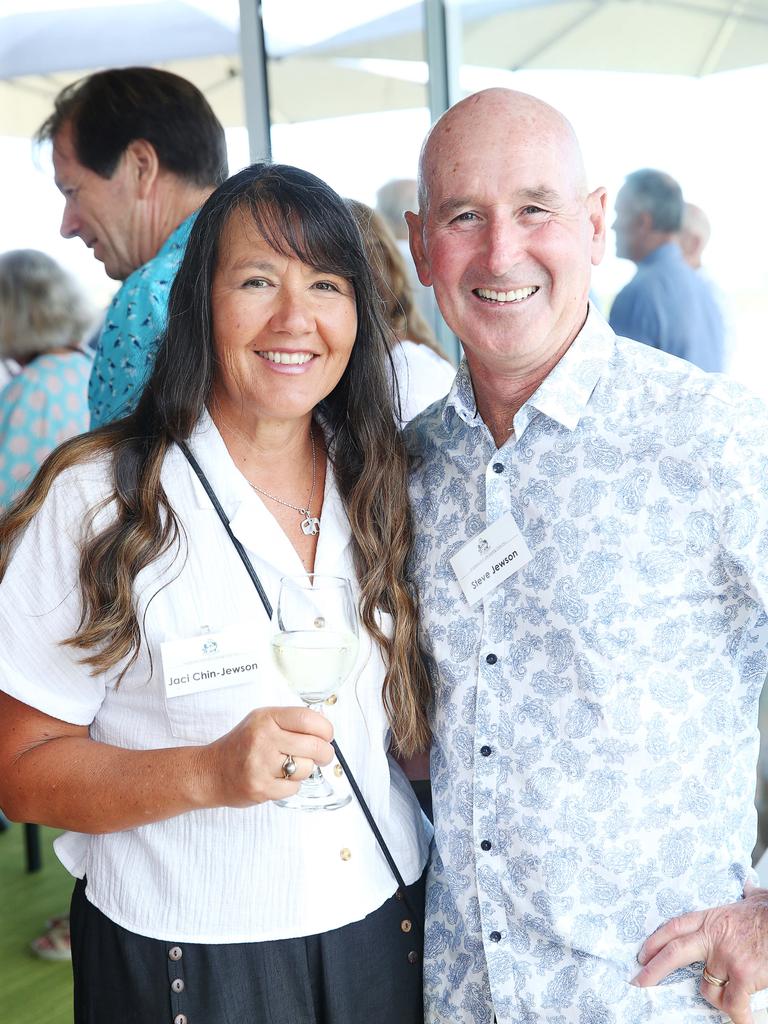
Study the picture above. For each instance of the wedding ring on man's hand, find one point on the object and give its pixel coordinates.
(717, 982)
(289, 767)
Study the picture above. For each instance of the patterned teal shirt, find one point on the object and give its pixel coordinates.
(134, 323)
(595, 716)
(42, 406)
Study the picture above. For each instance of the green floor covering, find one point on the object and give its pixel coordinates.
(32, 991)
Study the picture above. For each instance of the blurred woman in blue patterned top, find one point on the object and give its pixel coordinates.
(44, 317)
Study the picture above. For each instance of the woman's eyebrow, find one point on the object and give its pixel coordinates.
(247, 263)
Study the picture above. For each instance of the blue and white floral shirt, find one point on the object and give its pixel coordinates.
(135, 321)
(595, 717)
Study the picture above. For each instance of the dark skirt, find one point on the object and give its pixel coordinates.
(366, 971)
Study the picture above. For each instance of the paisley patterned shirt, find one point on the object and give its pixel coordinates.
(595, 716)
(135, 320)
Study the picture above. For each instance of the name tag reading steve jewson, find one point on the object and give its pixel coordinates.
(212, 661)
(490, 558)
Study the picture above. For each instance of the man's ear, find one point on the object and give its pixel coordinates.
(144, 165)
(596, 203)
(416, 242)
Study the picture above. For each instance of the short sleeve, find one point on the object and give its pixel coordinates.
(40, 607)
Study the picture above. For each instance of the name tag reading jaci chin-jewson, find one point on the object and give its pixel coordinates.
(212, 661)
(490, 558)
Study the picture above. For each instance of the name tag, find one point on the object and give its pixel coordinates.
(490, 558)
(211, 661)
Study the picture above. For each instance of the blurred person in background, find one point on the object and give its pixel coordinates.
(393, 199)
(422, 371)
(693, 239)
(666, 305)
(694, 236)
(44, 318)
(8, 369)
(136, 152)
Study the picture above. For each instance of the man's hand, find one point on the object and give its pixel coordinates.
(731, 940)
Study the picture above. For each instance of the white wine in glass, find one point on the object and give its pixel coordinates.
(315, 649)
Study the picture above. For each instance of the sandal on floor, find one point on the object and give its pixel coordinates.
(57, 921)
(54, 945)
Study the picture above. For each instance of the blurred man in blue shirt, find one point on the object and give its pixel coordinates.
(666, 304)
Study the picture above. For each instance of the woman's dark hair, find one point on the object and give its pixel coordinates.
(110, 109)
(298, 215)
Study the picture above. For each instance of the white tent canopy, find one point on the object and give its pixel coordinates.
(41, 38)
(689, 37)
(45, 44)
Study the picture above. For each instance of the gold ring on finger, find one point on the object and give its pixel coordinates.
(713, 979)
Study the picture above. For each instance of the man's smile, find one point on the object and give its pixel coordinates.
(516, 295)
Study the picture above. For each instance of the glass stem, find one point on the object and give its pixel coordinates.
(316, 775)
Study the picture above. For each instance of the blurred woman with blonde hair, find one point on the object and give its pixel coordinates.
(422, 370)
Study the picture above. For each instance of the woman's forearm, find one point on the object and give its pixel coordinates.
(76, 783)
(53, 773)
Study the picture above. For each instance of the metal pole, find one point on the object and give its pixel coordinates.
(253, 61)
(442, 45)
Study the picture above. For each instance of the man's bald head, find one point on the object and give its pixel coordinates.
(694, 234)
(516, 117)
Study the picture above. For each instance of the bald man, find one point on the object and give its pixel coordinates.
(694, 235)
(591, 519)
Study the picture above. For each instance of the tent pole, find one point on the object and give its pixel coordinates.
(253, 58)
(442, 45)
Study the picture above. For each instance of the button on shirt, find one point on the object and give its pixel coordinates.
(224, 874)
(598, 778)
(135, 320)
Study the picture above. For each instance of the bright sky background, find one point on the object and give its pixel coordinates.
(709, 133)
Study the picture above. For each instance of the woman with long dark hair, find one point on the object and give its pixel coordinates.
(198, 897)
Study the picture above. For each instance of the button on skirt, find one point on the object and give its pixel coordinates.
(369, 971)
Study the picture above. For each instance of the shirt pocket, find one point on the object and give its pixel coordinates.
(205, 716)
(211, 682)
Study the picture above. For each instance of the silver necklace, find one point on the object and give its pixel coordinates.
(310, 524)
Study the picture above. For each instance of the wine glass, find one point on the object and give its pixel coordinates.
(315, 648)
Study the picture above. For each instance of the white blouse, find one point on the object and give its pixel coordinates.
(221, 875)
(422, 377)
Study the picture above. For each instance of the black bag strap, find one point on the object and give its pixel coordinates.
(268, 609)
(225, 523)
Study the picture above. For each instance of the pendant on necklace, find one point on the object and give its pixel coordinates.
(310, 526)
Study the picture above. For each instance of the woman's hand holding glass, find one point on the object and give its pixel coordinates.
(315, 649)
(245, 766)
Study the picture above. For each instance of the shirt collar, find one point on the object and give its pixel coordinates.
(669, 252)
(562, 396)
(178, 237)
(461, 399)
